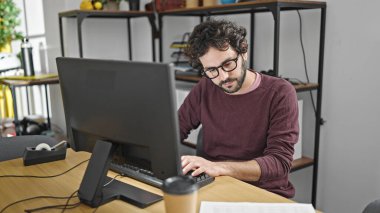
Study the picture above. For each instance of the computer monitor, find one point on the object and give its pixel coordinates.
(120, 103)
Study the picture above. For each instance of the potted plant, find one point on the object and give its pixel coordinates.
(8, 22)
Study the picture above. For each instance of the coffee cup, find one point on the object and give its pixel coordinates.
(180, 194)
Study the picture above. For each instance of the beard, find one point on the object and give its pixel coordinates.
(239, 80)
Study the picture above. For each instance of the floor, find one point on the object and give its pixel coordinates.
(7, 129)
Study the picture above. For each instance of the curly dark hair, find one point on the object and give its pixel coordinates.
(220, 34)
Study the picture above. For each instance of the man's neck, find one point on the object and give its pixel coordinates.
(248, 81)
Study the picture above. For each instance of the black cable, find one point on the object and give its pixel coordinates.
(67, 205)
(31, 198)
(61, 206)
(49, 176)
(112, 180)
(121, 175)
(96, 209)
(304, 60)
(68, 200)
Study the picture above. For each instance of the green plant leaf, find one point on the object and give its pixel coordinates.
(9, 20)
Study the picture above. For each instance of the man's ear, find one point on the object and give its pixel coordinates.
(245, 56)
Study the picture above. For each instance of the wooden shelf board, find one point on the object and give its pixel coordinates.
(30, 82)
(244, 7)
(301, 163)
(189, 78)
(299, 87)
(306, 87)
(105, 13)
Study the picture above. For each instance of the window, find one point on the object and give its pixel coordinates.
(32, 26)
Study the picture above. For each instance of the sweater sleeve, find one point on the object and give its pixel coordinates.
(189, 112)
(282, 134)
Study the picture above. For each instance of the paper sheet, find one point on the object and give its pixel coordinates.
(245, 207)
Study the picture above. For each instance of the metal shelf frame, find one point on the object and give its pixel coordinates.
(13, 84)
(80, 15)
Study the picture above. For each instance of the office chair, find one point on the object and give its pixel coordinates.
(373, 207)
(189, 148)
(13, 147)
(199, 146)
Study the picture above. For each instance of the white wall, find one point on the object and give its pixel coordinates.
(350, 161)
(51, 9)
(101, 39)
(349, 172)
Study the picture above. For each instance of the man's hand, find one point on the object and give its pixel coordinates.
(246, 170)
(199, 165)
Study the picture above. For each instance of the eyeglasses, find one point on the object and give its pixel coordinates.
(227, 66)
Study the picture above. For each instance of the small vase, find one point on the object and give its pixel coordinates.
(124, 5)
(111, 5)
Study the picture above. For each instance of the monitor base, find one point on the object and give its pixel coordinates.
(94, 190)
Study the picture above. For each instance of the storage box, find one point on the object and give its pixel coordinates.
(33, 156)
(162, 5)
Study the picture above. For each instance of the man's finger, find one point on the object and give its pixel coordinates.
(198, 171)
(184, 163)
(187, 168)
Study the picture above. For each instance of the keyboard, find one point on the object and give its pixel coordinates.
(202, 179)
(148, 177)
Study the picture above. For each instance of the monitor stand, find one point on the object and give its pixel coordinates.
(92, 191)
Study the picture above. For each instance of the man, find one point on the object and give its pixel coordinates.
(249, 120)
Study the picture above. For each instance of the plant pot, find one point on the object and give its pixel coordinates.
(7, 48)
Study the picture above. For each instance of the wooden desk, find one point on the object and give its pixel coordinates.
(14, 189)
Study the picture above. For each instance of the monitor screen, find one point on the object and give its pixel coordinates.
(109, 104)
(128, 103)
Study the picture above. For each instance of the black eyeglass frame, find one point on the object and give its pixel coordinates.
(203, 72)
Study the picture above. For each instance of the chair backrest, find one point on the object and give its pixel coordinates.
(199, 149)
(13, 147)
(373, 207)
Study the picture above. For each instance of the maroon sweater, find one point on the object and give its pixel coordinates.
(260, 125)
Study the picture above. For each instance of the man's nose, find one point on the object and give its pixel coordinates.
(223, 74)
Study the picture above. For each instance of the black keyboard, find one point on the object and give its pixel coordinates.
(147, 176)
(202, 179)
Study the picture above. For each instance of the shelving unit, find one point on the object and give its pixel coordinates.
(275, 7)
(15, 82)
(80, 15)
